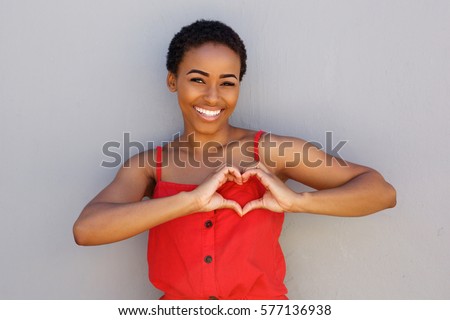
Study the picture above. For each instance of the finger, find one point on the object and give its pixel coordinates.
(252, 205)
(223, 167)
(260, 174)
(226, 173)
(233, 174)
(248, 174)
(231, 204)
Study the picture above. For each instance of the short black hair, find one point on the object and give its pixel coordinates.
(199, 33)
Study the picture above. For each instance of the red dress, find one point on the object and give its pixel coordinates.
(218, 254)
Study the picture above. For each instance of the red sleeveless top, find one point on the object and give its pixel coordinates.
(218, 254)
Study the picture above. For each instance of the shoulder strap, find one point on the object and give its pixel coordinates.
(256, 145)
(158, 163)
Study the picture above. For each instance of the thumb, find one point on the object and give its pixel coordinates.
(231, 204)
(252, 205)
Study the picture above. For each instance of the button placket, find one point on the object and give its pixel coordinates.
(208, 252)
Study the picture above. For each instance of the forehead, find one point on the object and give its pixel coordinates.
(211, 56)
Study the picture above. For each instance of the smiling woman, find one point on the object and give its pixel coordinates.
(207, 85)
(214, 225)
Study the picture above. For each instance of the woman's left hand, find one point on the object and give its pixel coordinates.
(277, 198)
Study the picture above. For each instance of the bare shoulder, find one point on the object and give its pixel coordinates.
(278, 151)
(144, 163)
(273, 140)
(282, 149)
(141, 167)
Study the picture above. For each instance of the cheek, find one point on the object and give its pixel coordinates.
(232, 97)
(186, 95)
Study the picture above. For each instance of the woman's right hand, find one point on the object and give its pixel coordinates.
(206, 196)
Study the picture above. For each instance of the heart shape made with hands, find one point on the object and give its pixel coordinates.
(249, 191)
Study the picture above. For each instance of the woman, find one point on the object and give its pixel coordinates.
(217, 193)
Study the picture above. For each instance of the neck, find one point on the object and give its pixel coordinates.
(195, 139)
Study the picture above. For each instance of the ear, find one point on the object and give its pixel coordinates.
(171, 82)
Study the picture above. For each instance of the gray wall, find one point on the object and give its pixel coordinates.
(76, 74)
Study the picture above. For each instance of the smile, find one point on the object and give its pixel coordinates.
(208, 113)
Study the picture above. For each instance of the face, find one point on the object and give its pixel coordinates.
(207, 85)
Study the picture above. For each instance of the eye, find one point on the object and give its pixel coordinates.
(228, 84)
(197, 80)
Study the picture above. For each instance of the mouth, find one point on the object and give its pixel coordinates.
(209, 115)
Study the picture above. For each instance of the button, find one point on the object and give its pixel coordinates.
(208, 259)
(213, 298)
(208, 224)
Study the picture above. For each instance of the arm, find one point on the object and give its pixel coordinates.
(117, 212)
(343, 188)
(363, 194)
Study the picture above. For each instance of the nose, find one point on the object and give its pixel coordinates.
(212, 95)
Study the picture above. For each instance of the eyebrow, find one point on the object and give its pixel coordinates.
(206, 74)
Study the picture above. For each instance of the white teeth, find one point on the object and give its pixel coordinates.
(208, 113)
